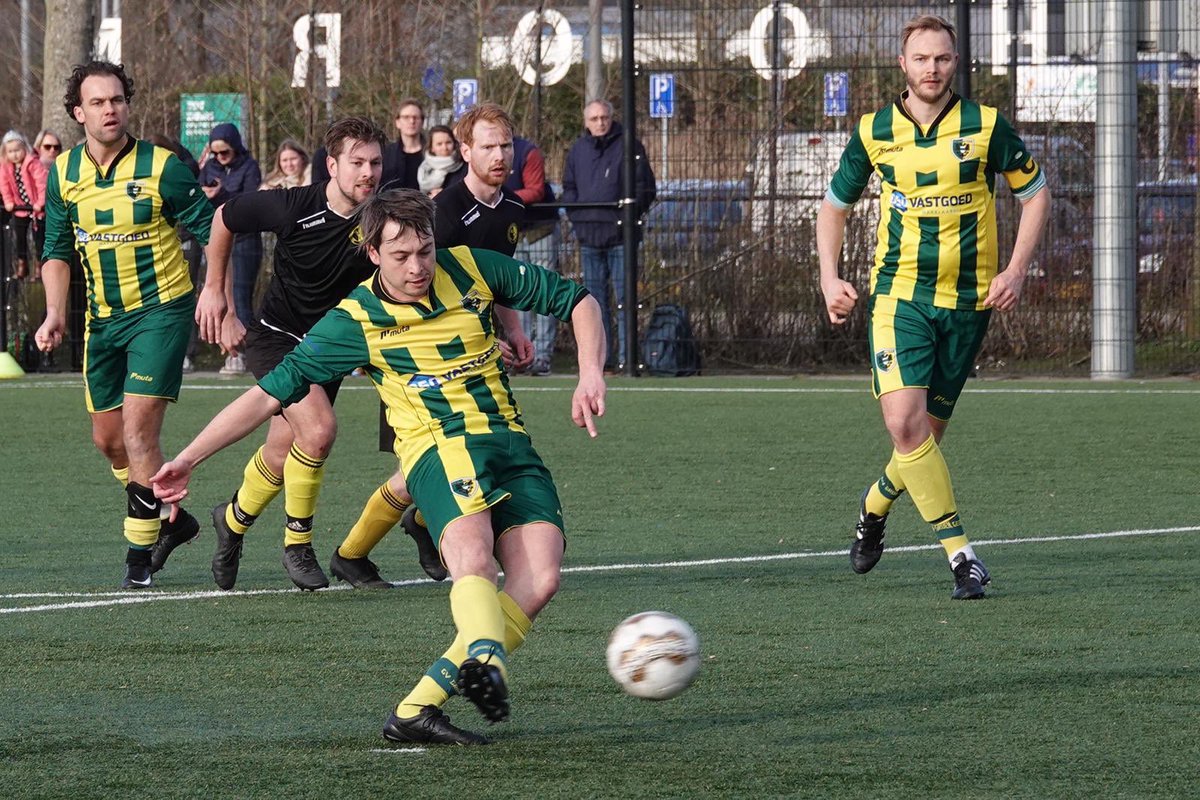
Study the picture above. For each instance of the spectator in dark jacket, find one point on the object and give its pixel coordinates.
(229, 171)
(593, 174)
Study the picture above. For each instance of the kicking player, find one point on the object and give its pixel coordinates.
(935, 279)
(474, 212)
(423, 327)
(115, 200)
(317, 262)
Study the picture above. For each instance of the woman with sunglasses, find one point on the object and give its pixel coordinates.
(47, 145)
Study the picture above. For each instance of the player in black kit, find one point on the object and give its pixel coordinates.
(317, 263)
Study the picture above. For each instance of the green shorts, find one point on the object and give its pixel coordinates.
(137, 352)
(917, 345)
(466, 474)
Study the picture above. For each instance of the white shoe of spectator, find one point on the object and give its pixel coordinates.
(188, 367)
(234, 365)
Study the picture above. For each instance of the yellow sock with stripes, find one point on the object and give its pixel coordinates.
(302, 476)
(121, 474)
(383, 510)
(927, 477)
(437, 684)
(419, 518)
(259, 487)
(886, 490)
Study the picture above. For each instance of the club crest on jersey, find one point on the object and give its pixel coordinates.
(463, 487)
(512, 233)
(356, 236)
(134, 189)
(962, 148)
(885, 359)
(472, 301)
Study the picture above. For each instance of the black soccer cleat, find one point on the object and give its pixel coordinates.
(867, 546)
(361, 573)
(431, 726)
(137, 570)
(427, 552)
(970, 576)
(483, 684)
(229, 550)
(300, 561)
(184, 529)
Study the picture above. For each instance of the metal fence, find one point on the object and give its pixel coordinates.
(762, 96)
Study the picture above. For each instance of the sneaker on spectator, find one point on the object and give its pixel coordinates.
(234, 365)
(188, 366)
(540, 368)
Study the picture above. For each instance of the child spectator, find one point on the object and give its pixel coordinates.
(292, 167)
(23, 186)
(443, 165)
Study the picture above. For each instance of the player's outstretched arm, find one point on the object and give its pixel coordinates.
(591, 346)
(840, 295)
(235, 421)
(1005, 291)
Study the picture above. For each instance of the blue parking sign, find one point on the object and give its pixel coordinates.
(662, 95)
(466, 95)
(837, 94)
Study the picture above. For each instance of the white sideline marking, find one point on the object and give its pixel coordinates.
(523, 388)
(394, 750)
(124, 598)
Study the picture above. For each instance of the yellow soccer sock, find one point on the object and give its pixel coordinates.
(886, 490)
(437, 684)
(302, 476)
(419, 518)
(121, 474)
(475, 606)
(259, 487)
(383, 510)
(516, 623)
(927, 479)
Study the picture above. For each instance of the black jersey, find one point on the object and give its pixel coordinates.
(317, 258)
(463, 220)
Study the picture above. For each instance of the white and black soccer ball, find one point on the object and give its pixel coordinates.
(653, 655)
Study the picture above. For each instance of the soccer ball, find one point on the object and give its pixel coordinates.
(654, 655)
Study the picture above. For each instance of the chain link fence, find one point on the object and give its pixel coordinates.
(763, 96)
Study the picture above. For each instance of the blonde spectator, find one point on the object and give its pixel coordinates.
(292, 167)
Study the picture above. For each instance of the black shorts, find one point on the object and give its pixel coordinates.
(266, 348)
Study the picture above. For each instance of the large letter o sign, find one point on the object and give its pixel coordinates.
(556, 50)
(795, 54)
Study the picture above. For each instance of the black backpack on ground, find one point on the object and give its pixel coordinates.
(669, 346)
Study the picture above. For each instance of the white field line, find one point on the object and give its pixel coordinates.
(103, 599)
(398, 750)
(522, 388)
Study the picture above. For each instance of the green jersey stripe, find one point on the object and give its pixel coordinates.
(881, 125)
(143, 164)
(968, 258)
(111, 280)
(891, 259)
(928, 250)
(147, 276)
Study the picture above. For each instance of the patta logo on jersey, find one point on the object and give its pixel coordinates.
(512, 233)
(899, 202)
(472, 301)
(962, 148)
(464, 487)
(885, 360)
(134, 189)
(356, 236)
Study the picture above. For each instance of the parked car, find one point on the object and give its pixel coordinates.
(693, 218)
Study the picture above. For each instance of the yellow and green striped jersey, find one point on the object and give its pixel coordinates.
(436, 364)
(937, 227)
(122, 223)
